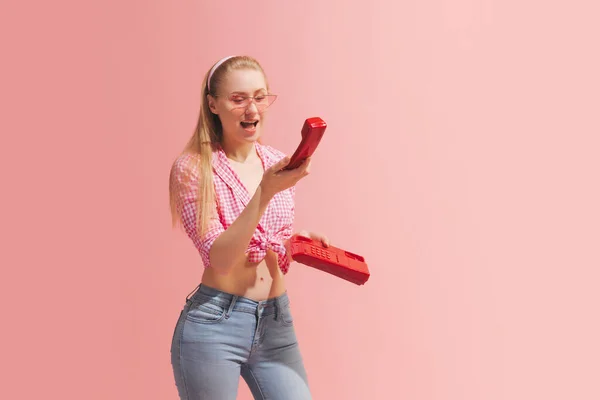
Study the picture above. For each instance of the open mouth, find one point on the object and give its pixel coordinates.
(249, 124)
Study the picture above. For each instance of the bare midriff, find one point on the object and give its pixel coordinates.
(257, 281)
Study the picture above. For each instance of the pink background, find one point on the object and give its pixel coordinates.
(461, 159)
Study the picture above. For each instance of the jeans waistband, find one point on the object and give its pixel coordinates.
(238, 303)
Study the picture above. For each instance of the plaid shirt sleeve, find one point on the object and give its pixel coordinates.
(184, 183)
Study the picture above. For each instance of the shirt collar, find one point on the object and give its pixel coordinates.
(222, 167)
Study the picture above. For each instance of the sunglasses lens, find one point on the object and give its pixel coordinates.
(241, 103)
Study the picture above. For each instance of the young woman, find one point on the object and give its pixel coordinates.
(237, 206)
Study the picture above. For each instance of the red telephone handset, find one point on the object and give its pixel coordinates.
(312, 132)
(333, 260)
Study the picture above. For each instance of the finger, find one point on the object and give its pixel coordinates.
(281, 163)
(304, 168)
(305, 234)
(320, 238)
(307, 169)
(299, 173)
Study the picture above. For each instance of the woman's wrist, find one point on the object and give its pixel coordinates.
(264, 193)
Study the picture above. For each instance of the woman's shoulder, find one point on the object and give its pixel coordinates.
(186, 165)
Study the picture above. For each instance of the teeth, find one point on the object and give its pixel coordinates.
(255, 122)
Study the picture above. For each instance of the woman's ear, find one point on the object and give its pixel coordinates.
(212, 104)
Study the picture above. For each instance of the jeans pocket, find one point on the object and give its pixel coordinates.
(286, 316)
(206, 313)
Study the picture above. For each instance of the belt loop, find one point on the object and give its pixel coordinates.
(187, 298)
(230, 310)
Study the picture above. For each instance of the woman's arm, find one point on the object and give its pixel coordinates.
(229, 248)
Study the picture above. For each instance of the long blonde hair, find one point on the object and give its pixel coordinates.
(206, 138)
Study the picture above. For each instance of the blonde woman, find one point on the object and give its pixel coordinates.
(236, 205)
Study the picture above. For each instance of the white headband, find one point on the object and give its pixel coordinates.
(213, 69)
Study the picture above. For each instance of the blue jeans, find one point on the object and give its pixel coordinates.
(220, 336)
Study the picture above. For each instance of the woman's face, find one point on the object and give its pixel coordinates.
(241, 117)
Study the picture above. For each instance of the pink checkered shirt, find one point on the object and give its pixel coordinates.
(274, 227)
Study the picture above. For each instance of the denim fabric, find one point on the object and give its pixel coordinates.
(220, 336)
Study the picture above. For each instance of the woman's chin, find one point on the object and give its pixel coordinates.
(244, 135)
(250, 135)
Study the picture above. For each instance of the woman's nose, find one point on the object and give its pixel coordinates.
(251, 109)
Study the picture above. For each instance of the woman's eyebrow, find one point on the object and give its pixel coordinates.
(246, 93)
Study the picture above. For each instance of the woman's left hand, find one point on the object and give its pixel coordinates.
(311, 235)
(316, 236)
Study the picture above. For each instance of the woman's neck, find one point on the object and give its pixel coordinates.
(240, 152)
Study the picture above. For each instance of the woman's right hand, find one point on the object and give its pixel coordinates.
(275, 180)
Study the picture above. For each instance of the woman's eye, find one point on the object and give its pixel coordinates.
(260, 98)
(237, 99)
